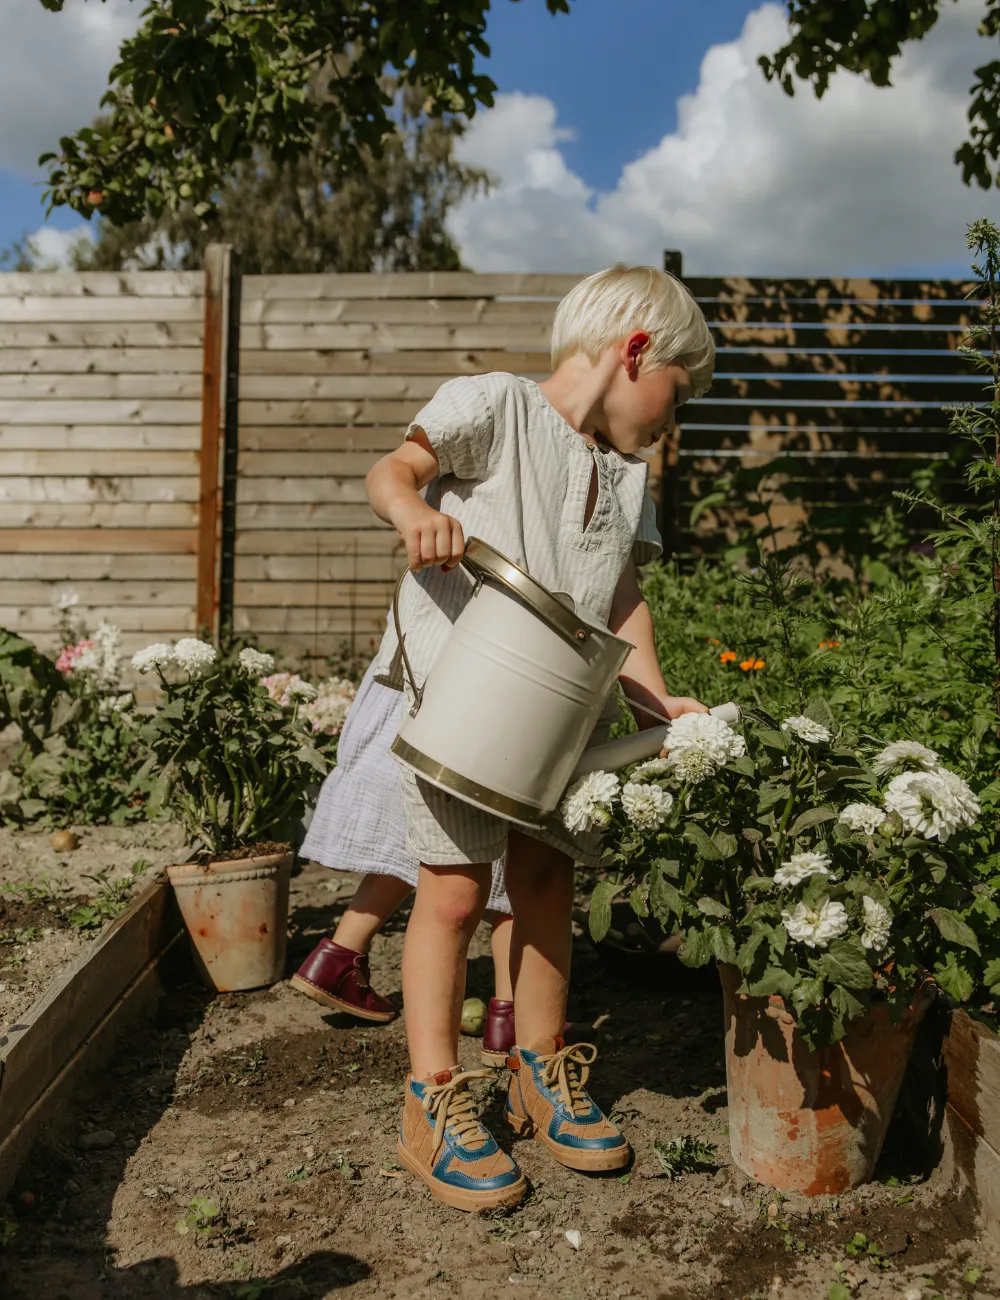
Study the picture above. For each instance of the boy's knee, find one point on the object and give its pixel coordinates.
(457, 903)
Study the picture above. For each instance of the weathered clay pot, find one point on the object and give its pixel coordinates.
(236, 915)
(804, 1120)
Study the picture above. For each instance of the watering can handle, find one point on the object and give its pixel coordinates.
(641, 744)
(418, 693)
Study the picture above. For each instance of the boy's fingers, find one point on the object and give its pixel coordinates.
(457, 542)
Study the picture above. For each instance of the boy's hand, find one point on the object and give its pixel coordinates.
(430, 538)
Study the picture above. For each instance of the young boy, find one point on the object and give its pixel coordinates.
(549, 475)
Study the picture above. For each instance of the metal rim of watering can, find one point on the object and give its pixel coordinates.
(480, 795)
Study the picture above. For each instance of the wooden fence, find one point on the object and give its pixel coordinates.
(185, 449)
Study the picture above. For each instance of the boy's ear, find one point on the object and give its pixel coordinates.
(634, 345)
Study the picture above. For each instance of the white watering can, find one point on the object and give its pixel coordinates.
(505, 714)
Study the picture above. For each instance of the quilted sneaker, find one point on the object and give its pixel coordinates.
(443, 1142)
(547, 1099)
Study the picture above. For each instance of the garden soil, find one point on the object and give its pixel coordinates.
(244, 1145)
(39, 889)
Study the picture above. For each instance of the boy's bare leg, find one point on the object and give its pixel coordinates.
(374, 901)
(500, 939)
(539, 883)
(449, 905)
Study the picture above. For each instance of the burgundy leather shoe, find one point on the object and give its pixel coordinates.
(338, 977)
(498, 1035)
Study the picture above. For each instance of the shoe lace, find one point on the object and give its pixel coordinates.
(454, 1109)
(568, 1070)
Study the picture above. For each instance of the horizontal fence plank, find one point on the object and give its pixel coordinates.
(130, 411)
(111, 515)
(100, 361)
(99, 438)
(359, 411)
(101, 542)
(375, 594)
(62, 567)
(160, 621)
(407, 284)
(374, 540)
(302, 491)
(133, 334)
(310, 569)
(319, 620)
(104, 593)
(411, 388)
(76, 386)
(65, 490)
(308, 515)
(291, 464)
(281, 437)
(110, 311)
(98, 464)
(103, 284)
(395, 311)
(443, 362)
(400, 337)
(832, 362)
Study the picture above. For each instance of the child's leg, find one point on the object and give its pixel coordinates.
(374, 901)
(502, 930)
(540, 886)
(449, 905)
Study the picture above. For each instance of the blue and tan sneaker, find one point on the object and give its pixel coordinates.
(443, 1142)
(547, 1098)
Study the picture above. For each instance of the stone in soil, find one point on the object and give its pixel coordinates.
(276, 1123)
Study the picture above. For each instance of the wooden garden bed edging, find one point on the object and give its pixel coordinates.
(77, 1019)
(951, 1097)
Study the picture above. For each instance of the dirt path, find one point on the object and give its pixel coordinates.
(283, 1118)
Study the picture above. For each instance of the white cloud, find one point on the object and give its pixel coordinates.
(50, 249)
(751, 181)
(53, 71)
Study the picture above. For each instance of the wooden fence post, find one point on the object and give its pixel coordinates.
(216, 367)
(670, 474)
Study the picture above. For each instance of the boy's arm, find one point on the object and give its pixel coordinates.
(641, 677)
(394, 485)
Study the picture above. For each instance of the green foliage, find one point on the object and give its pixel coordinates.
(110, 900)
(305, 216)
(206, 84)
(685, 1155)
(202, 1218)
(228, 761)
(866, 37)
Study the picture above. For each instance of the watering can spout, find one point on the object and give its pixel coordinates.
(640, 745)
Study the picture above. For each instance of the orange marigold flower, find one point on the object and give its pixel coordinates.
(749, 665)
(759, 663)
(727, 657)
(829, 645)
(746, 665)
(713, 640)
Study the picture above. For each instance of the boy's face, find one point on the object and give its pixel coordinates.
(640, 405)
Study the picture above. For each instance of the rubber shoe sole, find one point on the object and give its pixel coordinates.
(337, 1004)
(579, 1158)
(459, 1198)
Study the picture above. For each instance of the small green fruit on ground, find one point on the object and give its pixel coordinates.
(473, 1016)
(64, 841)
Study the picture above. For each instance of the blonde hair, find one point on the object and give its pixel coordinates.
(606, 306)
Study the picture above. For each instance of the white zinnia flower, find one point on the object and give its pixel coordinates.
(194, 656)
(588, 802)
(157, 655)
(878, 923)
(862, 817)
(651, 767)
(700, 744)
(815, 926)
(932, 804)
(255, 662)
(804, 729)
(646, 806)
(301, 690)
(800, 866)
(908, 754)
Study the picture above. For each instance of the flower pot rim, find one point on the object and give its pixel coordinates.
(197, 872)
(920, 999)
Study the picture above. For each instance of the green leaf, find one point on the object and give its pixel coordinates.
(774, 980)
(725, 843)
(953, 928)
(712, 907)
(819, 711)
(637, 899)
(773, 740)
(722, 943)
(696, 950)
(991, 975)
(812, 817)
(807, 993)
(665, 899)
(954, 978)
(703, 845)
(845, 962)
(838, 1291)
(747, 954)
(600, 908)
(847, 1005)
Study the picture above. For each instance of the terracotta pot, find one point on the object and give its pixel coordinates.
(804, 1120)
(236, 915)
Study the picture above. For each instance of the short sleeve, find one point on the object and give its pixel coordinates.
(459, 424)
(648, 545)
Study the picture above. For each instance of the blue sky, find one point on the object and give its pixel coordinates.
(621, 128)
